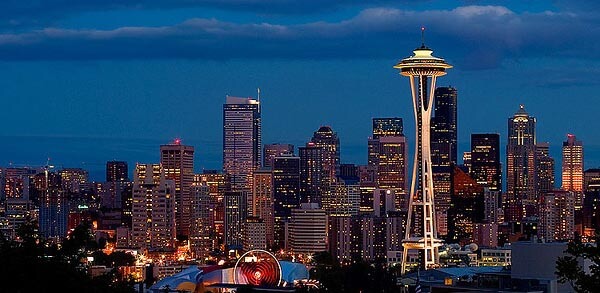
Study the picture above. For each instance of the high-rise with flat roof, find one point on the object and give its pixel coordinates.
(177, 161)
(116, 171)
(286, 193)
(572, 164)
(486, 168)
(444, 127)
(153, 209)
(241, 141)
(273, 150)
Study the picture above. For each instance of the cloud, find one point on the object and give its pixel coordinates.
(474, 37)
(19, 13)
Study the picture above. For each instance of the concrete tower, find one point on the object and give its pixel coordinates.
(422, 69)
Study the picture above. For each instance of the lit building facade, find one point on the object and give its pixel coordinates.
(270, 151)
(444, 127)
(557, 216)
(343, 199)
(544, 169)
(312, 173)
(117, 171)
(572, 164)
(235, 217)
(241, 141)
(255, 234)
(260, 205)
(486, 167)
(53, 203)
(307, 229)
(286, 193)
(153, 209)
(202, 234)
(177, 161)
(466, 209)
(520, 157)
(328, 140)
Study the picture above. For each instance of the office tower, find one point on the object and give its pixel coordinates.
(387, 127)
(116, 171)
(307, 229)
(392, 163)
(260, 204)
(382, 127)
(544, 165)
(422, 69)
(366, 175)
(202, 230)
(486, 234)
(572, 164)
(286, 193)
(344, 241)
(486, 167)
(591, 203)
(217, 185)
(343, 199)
(466, 207)
(177, 161)
(312, 173)
(153, 209)
(273, 150)
(467, 160)
(328, 140)
(443, 127)
(255, 234)
(591, 180)
(235, 216)
(384, 200)
(520, 158)
(53, 203)
(557, 215)
(73, 180)
(241, 141)
(492, 203)
(349, 172)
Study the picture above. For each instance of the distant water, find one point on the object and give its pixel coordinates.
(92, 153)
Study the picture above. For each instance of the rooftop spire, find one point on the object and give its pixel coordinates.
(423, 36)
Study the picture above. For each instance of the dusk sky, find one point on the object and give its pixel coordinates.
(83, 82)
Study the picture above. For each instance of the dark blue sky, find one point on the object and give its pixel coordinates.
(84, 82)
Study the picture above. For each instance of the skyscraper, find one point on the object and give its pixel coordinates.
(177, 161)
(241, 141)
(392, 164)
(261, 202)
(572, 164)
(153, 209)
(485, 160)
(235, 216)
(328, 140)
(466, 209)
(286, 193)
(557, 216)
(307, 229)
(273, 150)
(202, 230)
(312, 173)
(544, 166)
(520, 158)
(54, 205)
(422, 69)
(116, 171)
(444, 128)
(387, 127)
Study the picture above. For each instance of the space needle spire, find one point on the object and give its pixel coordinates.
(422, 69)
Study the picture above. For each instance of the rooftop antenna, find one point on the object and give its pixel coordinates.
(422, 36)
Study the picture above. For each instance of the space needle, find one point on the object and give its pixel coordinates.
(422, 69)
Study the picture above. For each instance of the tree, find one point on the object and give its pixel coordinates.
(569, 268)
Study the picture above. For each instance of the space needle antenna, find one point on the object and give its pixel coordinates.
(423, 36)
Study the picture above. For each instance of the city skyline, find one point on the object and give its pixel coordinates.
(92, 100)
